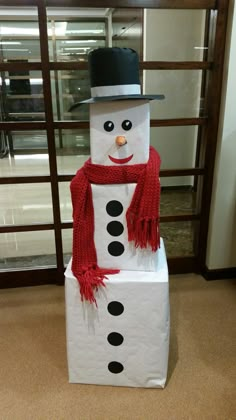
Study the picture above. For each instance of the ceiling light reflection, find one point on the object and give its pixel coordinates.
(41, 156)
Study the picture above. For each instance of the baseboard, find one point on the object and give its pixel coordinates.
(186, 188)
(182, 265)
(219, 273)
(28, 277)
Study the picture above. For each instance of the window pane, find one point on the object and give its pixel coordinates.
(27, 249)
(127, 29)
(25, 153)
(65, 201)
(72, 150)
(176, 146)
(25, 204)
(77, 49)
(181, 88)
(76, 38)
(22, 96)
(25, 141)
(178, 35)
(67, 235)
(19, 39)
(179, 238)
(178, 200)
(68, 88)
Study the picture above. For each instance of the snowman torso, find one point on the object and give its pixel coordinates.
(111, 240)
(109, 120)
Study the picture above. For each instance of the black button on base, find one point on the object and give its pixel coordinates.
(115, 367)
(115, 339)
(115, 308)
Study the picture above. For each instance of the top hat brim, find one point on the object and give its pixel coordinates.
(99, 99)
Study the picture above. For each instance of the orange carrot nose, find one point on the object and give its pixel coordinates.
(121, 140)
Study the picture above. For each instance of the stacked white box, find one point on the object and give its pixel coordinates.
(124, 341)
(129, 348)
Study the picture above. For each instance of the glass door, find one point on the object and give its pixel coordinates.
(43, 71)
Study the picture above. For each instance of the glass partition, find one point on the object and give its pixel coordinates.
(68, 88)
(73, 149)
(26, 154)
(179, 35)
(176, 145)
(27, 249)
(127, 29)
(23, 204)
(21, 95)
(67, 235)
(65, 202)
(73, 39)
(178, 196)
(182, 90)
(19, 40)
(179, 238)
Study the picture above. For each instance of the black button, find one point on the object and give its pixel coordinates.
(116, 248)
(115, 367)
(115, 228)
(115, 339)
(115, 308)
(114, 208)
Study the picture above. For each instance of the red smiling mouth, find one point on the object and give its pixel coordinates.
(120, 161)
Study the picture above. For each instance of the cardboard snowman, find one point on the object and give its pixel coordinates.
(117, 299)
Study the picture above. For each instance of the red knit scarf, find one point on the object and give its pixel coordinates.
(142, 216)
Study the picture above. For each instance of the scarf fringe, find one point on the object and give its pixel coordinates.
(144, 231)
(90, 279)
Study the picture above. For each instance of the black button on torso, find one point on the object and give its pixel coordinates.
(114, 208)
(115, 228)
(116, 248)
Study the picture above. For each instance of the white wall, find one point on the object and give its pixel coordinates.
(221, 250)
(174, 35)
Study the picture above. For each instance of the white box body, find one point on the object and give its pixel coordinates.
(143, 326)
(131, 258)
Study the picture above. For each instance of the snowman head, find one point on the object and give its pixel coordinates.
(119, 112)
(119, 132)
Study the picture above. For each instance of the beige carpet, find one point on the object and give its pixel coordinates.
(202, 373)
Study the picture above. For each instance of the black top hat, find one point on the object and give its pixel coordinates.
(114, 75)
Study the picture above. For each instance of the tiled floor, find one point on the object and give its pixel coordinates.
(32, 203)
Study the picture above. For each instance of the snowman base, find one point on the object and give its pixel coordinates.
(125, 340)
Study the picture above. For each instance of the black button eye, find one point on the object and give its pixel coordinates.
(108, 126)
(126, 125)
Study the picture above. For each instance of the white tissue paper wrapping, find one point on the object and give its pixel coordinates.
(143, 325)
